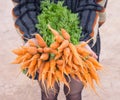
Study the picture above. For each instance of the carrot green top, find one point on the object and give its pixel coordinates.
(58, 16)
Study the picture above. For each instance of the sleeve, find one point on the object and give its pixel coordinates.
(102, 15)
(25, 15)
(89, 19)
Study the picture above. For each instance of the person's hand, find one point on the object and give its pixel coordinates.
(91, 51)
(33, 39)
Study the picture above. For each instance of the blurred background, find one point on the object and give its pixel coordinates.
(15, 86)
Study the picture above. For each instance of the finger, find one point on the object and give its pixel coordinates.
(94, 55)
(33, 39)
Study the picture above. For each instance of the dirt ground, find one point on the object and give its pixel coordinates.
(19, 87)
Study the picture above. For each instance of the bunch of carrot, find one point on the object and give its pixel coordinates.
(62, 59)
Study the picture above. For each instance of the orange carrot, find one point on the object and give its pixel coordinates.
(75, 61)
(66, 53)
(60, 62)
(19, 51)
(58, 56)
(83, 51)
(59, 39)
(54, 45)
(82, 70)
(83, 44)
(75, 67)
(90, 80)
(66, 72)
(40, 40)
(75, 53)
(93, 72)
(44, 71)
(18, 60)
(70, 60)
(31, 43)
(53, 82)
(65, 34)
(40, 50)
(31, 67)
(63, 70)
(46, 67)
(63, 45)
(22, 58)
(39, 63)
(25, 65)
(36, 67)
(85, 76)
(27, 56)
(34, 72)
(46, 50)
(59, 67)
(63, 66)
(52, 66)
(36, 56)
(68, 69)
(40, 70)
(54, 32)
(44, 56)
(32, 64)
(49, 80)
(95, 63)
(32, 50)
(44, 83)
(53, 51)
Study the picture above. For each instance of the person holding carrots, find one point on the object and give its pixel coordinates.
(92, 16)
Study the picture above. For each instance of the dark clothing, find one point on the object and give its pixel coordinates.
(74, 93)
(27, 10)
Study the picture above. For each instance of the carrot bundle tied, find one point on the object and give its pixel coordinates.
(60, 58)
